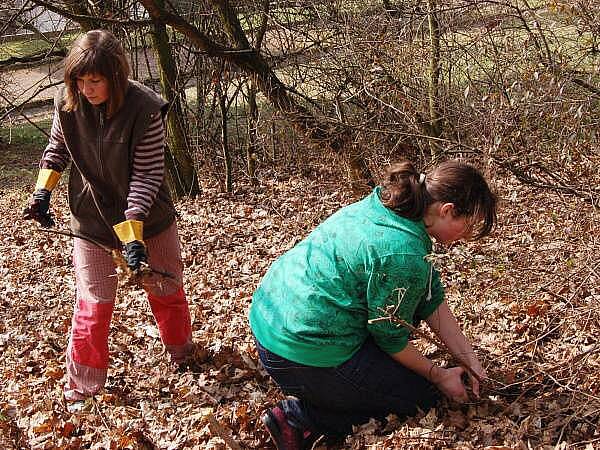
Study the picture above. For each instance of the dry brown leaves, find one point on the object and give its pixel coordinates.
(528, 298)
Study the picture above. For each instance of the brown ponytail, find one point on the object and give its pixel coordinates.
(450, 182)
(402, 191)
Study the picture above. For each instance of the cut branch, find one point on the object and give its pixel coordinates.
(116, 254)
(397, 320)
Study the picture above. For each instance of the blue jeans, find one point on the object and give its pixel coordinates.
(330, 400)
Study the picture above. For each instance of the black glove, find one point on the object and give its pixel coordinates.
(135, 254)
(39, 207)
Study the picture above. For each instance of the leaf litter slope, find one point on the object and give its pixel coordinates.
(527, 297)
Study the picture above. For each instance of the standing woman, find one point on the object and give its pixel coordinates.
(111, 130)
(312, 315)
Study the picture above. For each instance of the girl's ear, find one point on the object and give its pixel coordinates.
(446, 208)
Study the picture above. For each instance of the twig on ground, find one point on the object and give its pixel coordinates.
(100, 413)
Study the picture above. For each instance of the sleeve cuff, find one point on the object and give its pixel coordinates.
(392, 346)
(429, 309)
(129, 231)
(47, 179)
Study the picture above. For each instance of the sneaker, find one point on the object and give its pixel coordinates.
(285, 436)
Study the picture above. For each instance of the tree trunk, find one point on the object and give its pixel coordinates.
(224, 144)
(252, 148)
(336, 137)
(435, 125)
(181, 173)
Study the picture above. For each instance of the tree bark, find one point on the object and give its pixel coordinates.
(435, 124)
(224, 139)
(181, 173)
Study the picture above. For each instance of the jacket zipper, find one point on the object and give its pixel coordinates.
(99, 143)
(99, 149)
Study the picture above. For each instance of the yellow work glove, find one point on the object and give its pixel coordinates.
(131, 233)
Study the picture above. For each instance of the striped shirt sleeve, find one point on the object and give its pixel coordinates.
(55, 155)
(148, 171)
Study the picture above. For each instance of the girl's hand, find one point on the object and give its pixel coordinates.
(481, 373)
(449, 381)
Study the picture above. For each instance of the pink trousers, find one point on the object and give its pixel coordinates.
(87, 353)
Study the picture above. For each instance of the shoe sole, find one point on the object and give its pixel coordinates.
(270, 423)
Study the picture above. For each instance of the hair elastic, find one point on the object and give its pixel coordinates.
(421, 178)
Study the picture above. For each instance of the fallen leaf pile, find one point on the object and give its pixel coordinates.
(528, 297)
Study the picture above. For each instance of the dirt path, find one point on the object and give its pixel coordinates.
(29, 85)
(32, 86)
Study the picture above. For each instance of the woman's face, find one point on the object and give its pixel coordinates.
(446, 227)
(94, 87)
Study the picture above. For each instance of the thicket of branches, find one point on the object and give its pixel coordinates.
(286, 86)
(513, 83)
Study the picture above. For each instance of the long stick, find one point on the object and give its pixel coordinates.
(103, 247)
(74, 235)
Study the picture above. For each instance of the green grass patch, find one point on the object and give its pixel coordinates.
(26, 135)
(33, 46)
(507, 52)
(21, 147)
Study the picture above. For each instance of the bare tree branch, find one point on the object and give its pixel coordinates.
(87, 18)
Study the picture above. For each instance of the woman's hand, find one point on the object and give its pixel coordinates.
(39, 207)
(475, 366)
(444, 324)
(449, 381)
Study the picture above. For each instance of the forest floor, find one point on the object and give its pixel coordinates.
(528, 297)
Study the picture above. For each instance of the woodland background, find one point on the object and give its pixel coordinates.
(281, 113)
